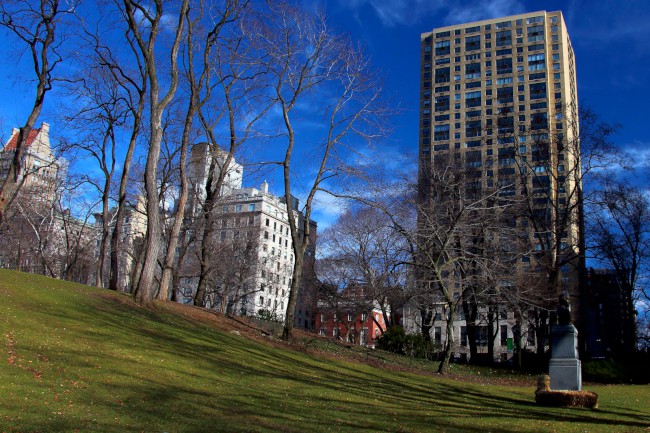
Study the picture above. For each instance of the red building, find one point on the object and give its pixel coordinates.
(350, 317)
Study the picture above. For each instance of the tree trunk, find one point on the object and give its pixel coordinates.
(426, 317)
(211, 194)
(516, 337)
(449, 341)
(293, 294)
(541, 332)
(491, 336)
(202, 288)
(46, 22)
(170, 257)
(99, 276)
(471, 316)
(145, 289)
(116, 238)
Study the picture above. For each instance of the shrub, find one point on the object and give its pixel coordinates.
(392, 340)
(631, 369)
(268, 316)
(396, 340)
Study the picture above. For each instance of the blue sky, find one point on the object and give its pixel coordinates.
(610, 39)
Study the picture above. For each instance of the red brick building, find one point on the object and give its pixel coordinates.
(350, 322)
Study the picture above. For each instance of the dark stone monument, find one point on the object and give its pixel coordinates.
(565, 368)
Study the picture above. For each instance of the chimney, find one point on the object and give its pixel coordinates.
(264, 188)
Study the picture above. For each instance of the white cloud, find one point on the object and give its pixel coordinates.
(394, 12)
(482, 10)
(408, 12)
(639, 152)
(326, 209)
(610, 23)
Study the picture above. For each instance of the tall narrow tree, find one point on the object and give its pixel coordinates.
(303, 55)
(146, 24)
(36, 25)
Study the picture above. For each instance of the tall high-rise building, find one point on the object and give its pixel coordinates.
(498, 98)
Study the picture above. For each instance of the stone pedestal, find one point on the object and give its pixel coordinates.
(565, 368)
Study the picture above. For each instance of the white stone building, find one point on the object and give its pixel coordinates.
(253, 253)
(39, 166)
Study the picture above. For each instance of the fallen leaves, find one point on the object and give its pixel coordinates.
(17, 361)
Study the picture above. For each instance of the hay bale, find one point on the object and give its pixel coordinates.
(567, 399)
(555, 398)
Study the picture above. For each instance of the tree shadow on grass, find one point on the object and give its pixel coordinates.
(153, 371)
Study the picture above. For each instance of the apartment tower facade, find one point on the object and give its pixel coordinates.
(499, 98)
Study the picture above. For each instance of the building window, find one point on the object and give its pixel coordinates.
(504, 335)
(537, 91)
(504, 66)
(531, 336)
(441, 133)
(472, 43)
(363, 340)
(481, 336)
(504, 38)
(442, 48)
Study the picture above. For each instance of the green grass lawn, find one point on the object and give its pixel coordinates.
(81, 359)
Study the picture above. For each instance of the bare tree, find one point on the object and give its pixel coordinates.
(237, 267)
(100, 114)
(203, 37)
(367, 250)
(125, 71)
(619, 237)
(145, 23)
(234, 102)
(553, 159)
(345, 299)
(302, 55)
(35, 24)
(619, 229)
(42, 235)
(74, 238)
(453, 220)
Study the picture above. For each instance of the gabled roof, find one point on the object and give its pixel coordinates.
(13, 141)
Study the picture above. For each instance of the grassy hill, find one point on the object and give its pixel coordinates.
(82, 359)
